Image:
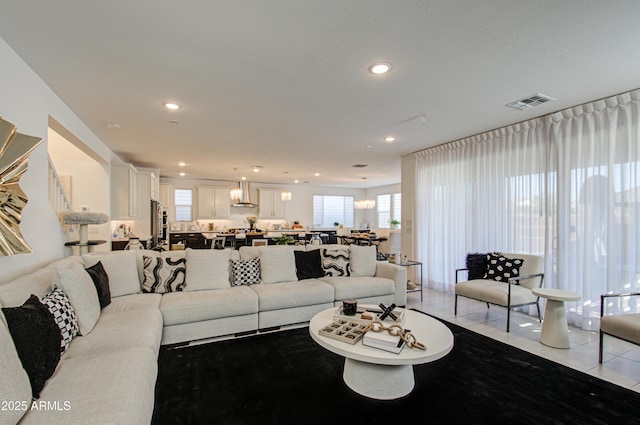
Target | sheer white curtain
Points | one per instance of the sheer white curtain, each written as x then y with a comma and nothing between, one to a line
539,187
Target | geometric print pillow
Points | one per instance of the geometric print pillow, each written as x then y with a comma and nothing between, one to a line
58,304
501,268
163,274
245,272
335,262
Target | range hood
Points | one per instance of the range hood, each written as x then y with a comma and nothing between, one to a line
244,201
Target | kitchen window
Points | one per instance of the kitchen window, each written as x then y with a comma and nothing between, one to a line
184,204
389,208
330,209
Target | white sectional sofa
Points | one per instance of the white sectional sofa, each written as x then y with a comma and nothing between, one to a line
108,376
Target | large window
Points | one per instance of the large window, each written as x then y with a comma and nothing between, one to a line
330,209
184,204
389,208
564,186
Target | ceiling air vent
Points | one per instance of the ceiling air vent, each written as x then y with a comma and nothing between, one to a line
359,165
530,102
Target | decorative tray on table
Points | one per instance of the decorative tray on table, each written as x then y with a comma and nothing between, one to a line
350,329
344,330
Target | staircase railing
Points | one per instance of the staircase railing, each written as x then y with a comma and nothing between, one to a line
57,195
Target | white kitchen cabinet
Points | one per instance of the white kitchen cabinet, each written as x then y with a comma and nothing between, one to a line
124,192
270,204
213,202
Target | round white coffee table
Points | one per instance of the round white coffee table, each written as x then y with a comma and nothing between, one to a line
380,374
555,332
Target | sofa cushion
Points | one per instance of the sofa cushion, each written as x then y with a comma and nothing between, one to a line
115,331
15,385
335,262
355,287
188,307
245,272
501,268
277,264
293,294
625,326
308,264
60,307
117,388
495,292
37,340
163,274
207,269
133,302
362,260
121,268
76,283
101,282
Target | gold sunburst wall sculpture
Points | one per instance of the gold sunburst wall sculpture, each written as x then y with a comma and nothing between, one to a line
15,149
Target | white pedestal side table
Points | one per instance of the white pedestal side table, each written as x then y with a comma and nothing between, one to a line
555,331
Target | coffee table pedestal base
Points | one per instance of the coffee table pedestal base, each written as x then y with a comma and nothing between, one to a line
380,382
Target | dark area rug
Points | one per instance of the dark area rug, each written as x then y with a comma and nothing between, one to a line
286,378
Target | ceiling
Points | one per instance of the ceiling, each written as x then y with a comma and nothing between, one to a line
284,84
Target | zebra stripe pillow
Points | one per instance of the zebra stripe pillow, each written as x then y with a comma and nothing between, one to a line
335,262
163,274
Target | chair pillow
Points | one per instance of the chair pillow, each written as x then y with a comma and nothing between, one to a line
501,268
163,274
60,307
335,262
308,264
101,281
245,272
476,263
362,260
208,269
37,340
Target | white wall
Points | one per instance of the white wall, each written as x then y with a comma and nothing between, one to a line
27,102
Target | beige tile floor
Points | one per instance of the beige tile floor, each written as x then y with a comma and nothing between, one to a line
621,363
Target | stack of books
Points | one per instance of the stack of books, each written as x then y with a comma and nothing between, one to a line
384,341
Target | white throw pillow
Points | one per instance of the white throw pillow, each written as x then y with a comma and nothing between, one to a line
277,264
15,382
122,271
207,269
77,284
362,260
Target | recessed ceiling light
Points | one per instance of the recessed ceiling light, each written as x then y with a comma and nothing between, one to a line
368,146
182,164
296,181
172,106
182,174
389,139
317,174
380,68
243,178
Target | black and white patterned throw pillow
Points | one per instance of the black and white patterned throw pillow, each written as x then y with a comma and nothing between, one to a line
335,262
58,304
245,272
163,274
501,268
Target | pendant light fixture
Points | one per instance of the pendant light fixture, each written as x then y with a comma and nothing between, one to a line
236,193
285,196
364,204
